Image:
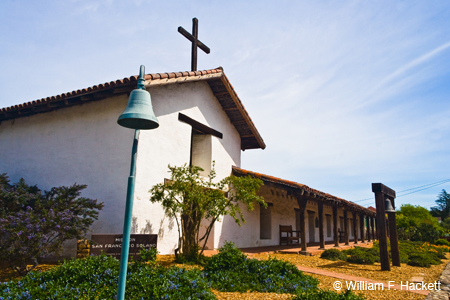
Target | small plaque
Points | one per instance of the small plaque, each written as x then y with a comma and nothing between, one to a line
111,244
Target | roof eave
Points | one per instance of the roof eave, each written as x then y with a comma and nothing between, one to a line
303,188
250,137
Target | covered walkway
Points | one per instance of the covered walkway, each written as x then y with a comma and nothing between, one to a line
294,249
320,220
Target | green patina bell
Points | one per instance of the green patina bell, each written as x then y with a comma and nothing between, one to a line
139,112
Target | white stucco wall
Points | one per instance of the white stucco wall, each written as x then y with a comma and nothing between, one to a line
81,144
84,144
170,144
282,213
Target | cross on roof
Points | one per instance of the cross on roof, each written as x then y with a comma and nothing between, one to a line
195,42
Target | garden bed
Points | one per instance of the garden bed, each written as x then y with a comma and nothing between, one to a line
404,272
397,274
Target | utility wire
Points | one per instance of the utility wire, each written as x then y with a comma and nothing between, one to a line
424,187
421,189
437,183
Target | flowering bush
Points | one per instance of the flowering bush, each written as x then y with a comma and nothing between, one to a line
35,224
148,255
231,271
96,277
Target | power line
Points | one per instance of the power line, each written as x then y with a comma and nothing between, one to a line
364,199
424,187
437,183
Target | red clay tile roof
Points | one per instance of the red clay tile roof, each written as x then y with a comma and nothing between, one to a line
216,79
372,209
301,187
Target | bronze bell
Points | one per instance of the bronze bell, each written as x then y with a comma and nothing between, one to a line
388,206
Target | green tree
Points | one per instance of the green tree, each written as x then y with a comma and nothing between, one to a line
415,223
190,198
443,206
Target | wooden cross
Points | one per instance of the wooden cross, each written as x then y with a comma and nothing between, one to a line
195,42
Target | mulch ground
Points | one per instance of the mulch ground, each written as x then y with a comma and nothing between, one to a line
403,273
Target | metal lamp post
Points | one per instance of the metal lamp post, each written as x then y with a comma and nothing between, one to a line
137,115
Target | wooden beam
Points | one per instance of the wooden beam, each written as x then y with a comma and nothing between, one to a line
381,188
321,237
394,239
230,108
355,228
382,234
373,229
335,227
302,207
346,238
361,224
221,93
199,126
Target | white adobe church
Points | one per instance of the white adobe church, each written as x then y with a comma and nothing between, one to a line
74,137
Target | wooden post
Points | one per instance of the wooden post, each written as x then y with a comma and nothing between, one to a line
346,239
321,237
381,191
335,227
395,252
373,229
387,228
302,206
361,227
355,228
368,228
377,230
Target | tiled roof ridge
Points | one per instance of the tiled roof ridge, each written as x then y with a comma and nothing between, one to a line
300,186
151,76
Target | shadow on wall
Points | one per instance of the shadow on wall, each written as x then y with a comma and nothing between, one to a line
232,232
148,227
212,120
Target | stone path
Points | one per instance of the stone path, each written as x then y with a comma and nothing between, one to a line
445,286
363,280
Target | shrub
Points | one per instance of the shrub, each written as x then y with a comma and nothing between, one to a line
333,254
34,225
148,255
96,278
442,242
359,255
422,259
231,271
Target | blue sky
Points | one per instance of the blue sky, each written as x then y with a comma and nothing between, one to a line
344,93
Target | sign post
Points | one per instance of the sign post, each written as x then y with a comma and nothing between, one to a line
111,244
